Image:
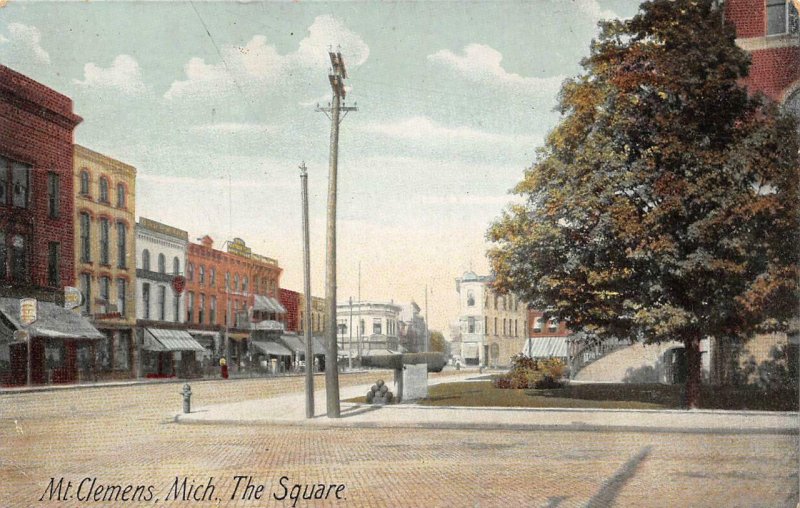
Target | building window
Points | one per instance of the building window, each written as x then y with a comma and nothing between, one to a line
84,183
162,303
104,233
103,189
53,264
122,245
86,248
362,326
105,290
121,195
244,285
495,326
201,272
201,308
162,263
227,280
3,256
176,266
177,304
190,308
552,325
190,271
53,192
516,330
236,282
19,258
14,183
122,347
376,326
146,300
781,17
146,260
86,290
121,296
470,325
212,317
470,299
212,278
505,332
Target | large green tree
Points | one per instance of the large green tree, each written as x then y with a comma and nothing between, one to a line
437,341
664,205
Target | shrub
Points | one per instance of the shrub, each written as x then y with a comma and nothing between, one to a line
529,373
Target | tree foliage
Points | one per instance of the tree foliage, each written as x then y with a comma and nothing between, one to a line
663,206
437,341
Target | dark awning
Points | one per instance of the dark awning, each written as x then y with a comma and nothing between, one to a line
271,348
294,343
53,321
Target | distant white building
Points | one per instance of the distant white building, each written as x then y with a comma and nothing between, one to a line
160,256
367,326
471,290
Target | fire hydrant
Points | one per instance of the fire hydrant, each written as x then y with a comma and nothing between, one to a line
187,398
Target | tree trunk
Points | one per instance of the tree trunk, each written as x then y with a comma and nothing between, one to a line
694,371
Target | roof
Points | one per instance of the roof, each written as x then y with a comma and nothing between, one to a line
271,348
157,339
53,321
546,347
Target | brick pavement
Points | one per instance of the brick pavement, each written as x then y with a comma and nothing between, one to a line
124,435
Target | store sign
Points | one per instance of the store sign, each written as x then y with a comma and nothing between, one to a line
238,247
178,284
72,297
27,311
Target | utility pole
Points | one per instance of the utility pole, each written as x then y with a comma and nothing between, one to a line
336,77
359,311
350,340
307,288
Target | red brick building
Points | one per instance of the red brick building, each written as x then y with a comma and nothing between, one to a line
769,31
36,198
231,290
539,327
291,302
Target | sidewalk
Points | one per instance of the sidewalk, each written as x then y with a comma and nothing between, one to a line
290,410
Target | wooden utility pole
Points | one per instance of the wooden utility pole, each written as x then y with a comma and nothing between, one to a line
336,77
307,288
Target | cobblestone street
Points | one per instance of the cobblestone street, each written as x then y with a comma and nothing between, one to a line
126,436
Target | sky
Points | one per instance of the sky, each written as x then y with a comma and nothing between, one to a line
215,103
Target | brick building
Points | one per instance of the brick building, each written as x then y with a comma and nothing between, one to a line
234,292
105,272
291,302
36,232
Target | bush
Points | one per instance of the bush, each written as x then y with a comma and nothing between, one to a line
527,373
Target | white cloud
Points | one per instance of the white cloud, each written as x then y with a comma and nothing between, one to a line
124,75
24,42
482,64
593,9
422,128
259,63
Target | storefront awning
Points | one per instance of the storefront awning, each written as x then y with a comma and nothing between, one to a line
267,304
318,346
238,336
546,347
271,348
53,321
160,340
294,343
267,324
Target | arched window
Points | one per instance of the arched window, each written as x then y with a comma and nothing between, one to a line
202,273
212,276
470,299
190,271
84,183
244,284
162,263
176,266
103,189
120,195
227,280
145,259
236,282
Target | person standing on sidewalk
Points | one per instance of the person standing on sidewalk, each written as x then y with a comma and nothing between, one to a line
223,367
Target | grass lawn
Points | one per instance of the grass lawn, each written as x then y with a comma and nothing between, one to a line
605,396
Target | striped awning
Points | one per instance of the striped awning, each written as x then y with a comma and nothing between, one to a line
294,343
160,340
271,348
264,303
546,347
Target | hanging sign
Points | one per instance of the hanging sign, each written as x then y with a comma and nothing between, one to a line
27,311
178,284
72,297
